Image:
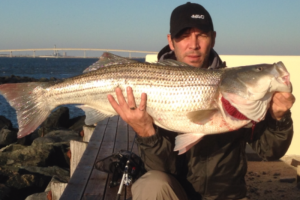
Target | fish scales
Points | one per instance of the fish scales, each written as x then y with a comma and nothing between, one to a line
181,88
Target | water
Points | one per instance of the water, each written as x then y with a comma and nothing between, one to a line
60,68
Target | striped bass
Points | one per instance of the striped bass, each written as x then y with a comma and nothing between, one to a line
180,98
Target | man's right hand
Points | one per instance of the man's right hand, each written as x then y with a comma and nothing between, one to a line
137,118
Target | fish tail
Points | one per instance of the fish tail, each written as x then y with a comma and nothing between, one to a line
28,99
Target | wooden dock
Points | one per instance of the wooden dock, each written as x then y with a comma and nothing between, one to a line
87,183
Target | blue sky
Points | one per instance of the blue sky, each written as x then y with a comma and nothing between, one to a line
268,27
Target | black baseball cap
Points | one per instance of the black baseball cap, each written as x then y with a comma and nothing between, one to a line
190,15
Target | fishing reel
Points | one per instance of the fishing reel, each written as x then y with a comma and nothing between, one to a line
123,165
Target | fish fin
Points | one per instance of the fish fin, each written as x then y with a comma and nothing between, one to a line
93,115
201,116
108,59
170,62
29,102
184,142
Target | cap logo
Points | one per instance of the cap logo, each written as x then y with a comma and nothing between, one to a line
197,16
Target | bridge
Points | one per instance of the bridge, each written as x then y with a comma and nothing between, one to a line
55,50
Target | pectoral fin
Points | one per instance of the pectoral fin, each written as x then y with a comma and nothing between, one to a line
93,116
186,141
201,116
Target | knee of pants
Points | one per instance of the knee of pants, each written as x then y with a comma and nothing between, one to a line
156,185
154,179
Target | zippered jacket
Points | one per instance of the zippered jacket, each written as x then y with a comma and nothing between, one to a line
216,166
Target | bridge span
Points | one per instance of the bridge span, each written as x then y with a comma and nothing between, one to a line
55,50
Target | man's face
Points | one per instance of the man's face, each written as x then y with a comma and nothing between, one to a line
193,46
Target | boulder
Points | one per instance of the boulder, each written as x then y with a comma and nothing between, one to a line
7,136
5,123
4,192
58,119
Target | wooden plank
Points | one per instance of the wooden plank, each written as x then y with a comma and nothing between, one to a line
121,143
77,183
98,182
88,132
57,189
77,149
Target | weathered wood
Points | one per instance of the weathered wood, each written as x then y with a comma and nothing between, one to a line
57,189
121,143
99,180
88,132
77,184
77,149
89,183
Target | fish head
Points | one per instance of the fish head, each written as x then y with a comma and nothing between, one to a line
257,81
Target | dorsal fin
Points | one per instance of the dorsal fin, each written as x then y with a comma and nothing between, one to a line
108,59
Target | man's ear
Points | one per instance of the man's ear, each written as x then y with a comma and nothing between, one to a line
213,37
170,42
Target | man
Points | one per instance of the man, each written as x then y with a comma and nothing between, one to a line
215,167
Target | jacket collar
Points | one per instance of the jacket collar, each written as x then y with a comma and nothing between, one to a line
214,59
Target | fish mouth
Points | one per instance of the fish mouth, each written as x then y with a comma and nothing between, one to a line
285,79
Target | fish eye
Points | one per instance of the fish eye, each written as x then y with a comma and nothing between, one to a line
259,68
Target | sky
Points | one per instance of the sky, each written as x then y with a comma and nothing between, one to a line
244,27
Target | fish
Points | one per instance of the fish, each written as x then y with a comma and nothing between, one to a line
191,101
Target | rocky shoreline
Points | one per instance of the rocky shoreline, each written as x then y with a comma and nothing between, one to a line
29,164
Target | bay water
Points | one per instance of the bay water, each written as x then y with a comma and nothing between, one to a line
60,68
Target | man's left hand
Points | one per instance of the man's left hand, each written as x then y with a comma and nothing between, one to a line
280,104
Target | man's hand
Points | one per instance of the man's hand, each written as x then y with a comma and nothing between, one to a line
281,102
137,118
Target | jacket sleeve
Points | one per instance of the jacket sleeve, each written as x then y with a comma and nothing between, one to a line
157,151
271,138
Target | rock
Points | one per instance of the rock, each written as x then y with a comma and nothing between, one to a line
59,173
64,136
287,179
22,184
12,147
7,136
5,123
77,123
60,176
4,192
27,140
39,155
58,119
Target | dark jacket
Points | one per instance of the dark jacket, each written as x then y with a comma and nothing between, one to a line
216,166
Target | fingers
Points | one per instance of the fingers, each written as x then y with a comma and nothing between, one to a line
130,98
281,102
284,100
114,104
142,106
121,98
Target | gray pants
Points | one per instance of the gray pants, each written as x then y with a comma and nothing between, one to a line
157,185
